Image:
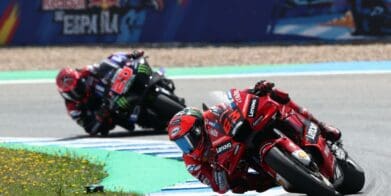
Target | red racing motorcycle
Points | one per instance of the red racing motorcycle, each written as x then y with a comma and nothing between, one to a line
273,138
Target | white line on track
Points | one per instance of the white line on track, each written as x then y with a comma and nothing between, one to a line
281,74
224,76
37,81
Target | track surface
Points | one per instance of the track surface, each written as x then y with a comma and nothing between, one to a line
358,104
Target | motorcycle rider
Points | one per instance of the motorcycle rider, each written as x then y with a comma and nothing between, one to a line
84,90
191,130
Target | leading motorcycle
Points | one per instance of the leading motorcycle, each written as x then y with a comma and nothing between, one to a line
270,137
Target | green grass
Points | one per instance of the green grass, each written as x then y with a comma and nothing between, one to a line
29,173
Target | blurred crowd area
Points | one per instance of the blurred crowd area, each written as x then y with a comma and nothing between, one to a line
80,32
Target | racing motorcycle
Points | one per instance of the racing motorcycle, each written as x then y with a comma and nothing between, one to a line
270,137
151,107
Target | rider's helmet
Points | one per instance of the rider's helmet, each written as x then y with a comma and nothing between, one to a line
186,129
70,84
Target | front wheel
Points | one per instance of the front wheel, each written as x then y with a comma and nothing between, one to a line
297,175
354,177
166,108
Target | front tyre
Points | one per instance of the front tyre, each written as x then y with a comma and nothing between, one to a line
166,108
354,177
298,176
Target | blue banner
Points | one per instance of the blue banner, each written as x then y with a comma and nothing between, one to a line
121,21
45,22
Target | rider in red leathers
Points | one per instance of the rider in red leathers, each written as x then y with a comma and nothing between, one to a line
84,90
194,132
191,130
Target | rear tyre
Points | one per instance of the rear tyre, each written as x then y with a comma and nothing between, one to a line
299,177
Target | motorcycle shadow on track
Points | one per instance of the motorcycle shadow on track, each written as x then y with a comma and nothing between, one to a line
120,134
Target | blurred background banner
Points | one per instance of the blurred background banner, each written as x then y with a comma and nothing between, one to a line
45,22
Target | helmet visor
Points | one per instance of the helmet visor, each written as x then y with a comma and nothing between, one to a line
184,144
189,141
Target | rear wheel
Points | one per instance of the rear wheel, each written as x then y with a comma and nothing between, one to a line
297,175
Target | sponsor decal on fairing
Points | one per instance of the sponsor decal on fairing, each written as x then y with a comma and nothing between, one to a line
312,132
302,157
258,120
224,148
252,109
236,150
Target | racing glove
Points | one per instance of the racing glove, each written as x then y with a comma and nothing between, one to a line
136,54
331,133
263,87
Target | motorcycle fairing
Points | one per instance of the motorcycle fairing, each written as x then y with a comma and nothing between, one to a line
122,80
257,110
311,140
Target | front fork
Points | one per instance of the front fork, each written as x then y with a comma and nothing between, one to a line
288,146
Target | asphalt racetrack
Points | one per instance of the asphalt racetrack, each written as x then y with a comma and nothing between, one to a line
359,104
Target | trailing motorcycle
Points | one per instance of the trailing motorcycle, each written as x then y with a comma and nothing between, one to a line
149,103
269,137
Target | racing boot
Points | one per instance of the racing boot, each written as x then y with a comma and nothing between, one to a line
260,182
331,133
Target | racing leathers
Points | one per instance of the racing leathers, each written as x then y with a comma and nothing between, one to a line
201,163
88,111
91,111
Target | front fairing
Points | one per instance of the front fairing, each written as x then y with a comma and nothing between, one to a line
257,111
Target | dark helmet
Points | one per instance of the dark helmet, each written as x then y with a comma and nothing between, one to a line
70,84
185,129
